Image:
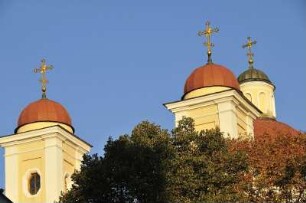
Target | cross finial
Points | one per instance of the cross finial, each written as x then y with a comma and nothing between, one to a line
207,33
42,70
250,54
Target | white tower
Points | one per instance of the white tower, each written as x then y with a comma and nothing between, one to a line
212,97
257,87
43,153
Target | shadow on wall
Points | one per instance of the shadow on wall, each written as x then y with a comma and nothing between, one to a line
3,198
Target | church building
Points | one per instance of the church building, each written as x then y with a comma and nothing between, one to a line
43,152
242,107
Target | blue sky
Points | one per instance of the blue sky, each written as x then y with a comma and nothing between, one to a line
116,62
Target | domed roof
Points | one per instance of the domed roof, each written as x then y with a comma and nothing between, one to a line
210,75
253,74
266,126
44,110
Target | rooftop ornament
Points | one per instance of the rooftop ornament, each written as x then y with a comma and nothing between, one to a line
43,79
207,33
250,54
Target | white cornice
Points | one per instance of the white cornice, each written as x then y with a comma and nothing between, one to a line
216,98
43,134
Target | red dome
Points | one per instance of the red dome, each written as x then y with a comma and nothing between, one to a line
266,126
210,75
44,110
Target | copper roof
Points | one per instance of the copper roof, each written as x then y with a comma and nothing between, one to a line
210,75
44,110
253,74
266,126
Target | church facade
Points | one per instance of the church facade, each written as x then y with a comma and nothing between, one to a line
43,152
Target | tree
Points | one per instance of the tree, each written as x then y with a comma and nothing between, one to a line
153,165
203,169
88,186
130,171
276,167
151,151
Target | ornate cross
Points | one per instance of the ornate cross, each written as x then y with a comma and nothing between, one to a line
250,54
42,70
207,33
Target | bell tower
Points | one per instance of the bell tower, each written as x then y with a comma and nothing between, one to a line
212,98
43,153
257,87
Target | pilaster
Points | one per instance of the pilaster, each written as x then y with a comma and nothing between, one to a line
53,168
11,173
228,119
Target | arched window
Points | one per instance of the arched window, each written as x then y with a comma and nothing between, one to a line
263,102
34,183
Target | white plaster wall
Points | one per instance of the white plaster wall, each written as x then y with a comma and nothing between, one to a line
257,88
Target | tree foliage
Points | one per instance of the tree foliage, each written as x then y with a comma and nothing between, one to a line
276,167
182,166
203,169
132,169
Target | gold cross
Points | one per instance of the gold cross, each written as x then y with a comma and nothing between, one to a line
207,33
250,54
42,70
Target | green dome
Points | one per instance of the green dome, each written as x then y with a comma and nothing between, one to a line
253,74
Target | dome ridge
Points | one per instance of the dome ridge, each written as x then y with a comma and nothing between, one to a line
44,110
253,74
210,75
